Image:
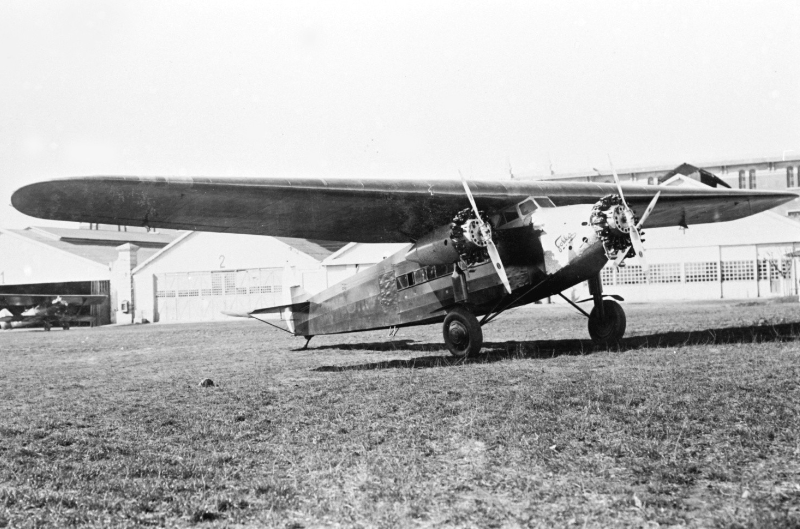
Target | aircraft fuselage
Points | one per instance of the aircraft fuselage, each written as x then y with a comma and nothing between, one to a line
542,259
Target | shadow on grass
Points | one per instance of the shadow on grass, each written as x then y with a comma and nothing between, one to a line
497,351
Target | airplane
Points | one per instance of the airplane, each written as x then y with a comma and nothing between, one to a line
47,310
476,248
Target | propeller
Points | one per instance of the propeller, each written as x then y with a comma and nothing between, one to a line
494,255
636,239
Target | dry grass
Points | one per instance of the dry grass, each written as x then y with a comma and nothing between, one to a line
694,421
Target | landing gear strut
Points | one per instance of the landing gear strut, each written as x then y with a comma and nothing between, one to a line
462,333
607,319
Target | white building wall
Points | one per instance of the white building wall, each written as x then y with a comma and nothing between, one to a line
204,252
23,261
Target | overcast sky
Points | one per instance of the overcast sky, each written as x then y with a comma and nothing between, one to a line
379,89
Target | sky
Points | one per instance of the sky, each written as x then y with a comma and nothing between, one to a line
389,89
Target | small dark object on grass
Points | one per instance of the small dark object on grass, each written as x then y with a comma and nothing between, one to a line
206,383
204,516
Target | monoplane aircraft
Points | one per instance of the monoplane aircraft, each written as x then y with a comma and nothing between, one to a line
47,310
476,248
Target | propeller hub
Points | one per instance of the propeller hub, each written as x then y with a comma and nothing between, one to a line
618,220
477,234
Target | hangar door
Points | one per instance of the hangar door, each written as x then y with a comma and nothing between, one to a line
203,296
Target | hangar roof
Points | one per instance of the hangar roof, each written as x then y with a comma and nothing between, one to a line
315,249
99,246
363,253
319,250
107,236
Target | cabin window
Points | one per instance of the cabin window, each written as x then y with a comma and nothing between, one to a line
430,271
790,177
544,202
742,183
443,270
752,178
527,207
402,282
420,276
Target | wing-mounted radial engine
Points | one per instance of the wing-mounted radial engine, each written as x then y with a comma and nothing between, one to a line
468,238
461,240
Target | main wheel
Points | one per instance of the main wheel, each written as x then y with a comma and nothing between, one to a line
65,326
47,326
610,329
462,333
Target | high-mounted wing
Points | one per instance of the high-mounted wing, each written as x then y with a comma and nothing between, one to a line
29,300
371,210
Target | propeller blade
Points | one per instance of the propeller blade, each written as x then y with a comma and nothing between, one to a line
471,199
494,255
638,247
648,210
616,179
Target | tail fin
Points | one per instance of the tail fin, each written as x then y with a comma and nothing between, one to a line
295,300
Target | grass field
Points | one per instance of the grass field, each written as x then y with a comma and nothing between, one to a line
693,421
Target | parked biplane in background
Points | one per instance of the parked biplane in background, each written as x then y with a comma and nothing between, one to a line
45,310
476,248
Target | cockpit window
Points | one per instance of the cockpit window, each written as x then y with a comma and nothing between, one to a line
544,202
510,215
527,207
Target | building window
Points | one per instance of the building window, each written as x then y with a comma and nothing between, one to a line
790,177
737,271
763,269
701,272
607,275
752,178
665,273
742,183
630,275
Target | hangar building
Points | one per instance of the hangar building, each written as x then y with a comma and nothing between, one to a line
70,261
201,275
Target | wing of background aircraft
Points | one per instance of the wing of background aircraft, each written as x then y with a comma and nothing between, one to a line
371,210
29,300
44,308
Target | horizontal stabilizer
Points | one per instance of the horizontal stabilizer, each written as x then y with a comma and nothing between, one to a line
235,314
27,300
278,309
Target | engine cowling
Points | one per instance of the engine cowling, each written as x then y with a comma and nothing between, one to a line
461,240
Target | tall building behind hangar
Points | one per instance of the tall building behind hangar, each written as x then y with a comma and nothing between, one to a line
70,261
777,172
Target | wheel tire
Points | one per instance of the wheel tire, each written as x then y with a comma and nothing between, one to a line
462,333
65,326
46,326
611,328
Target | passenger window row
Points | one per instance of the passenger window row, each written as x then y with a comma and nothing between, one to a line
421,275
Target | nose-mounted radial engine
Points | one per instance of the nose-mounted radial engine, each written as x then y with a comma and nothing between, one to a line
618,226
609,220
